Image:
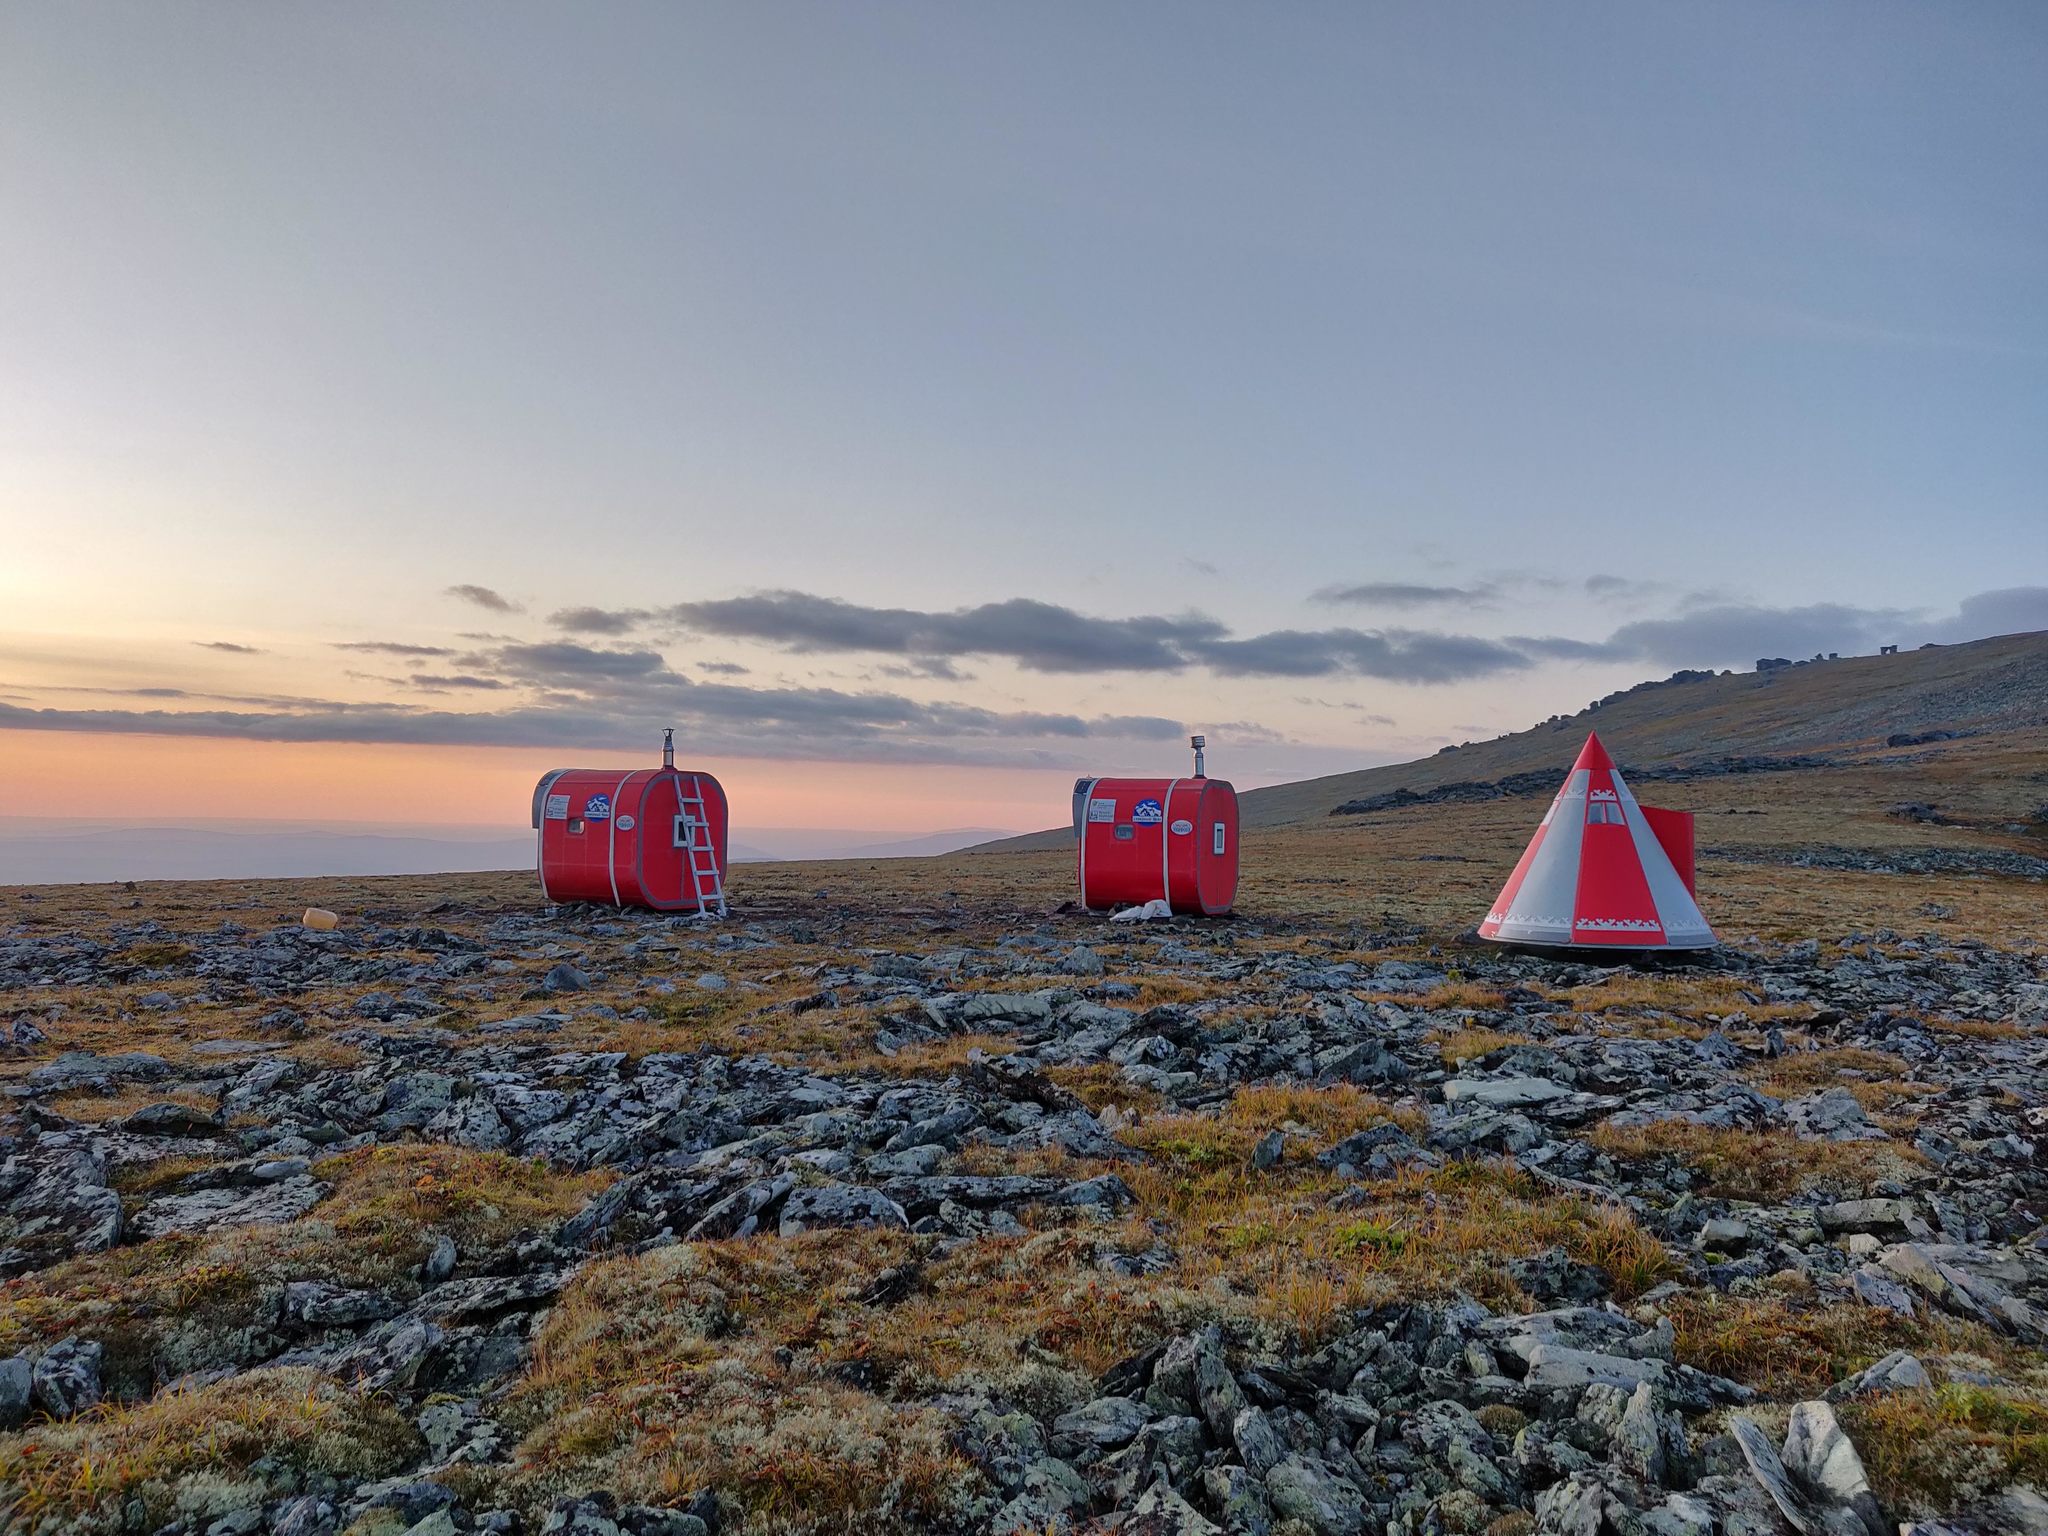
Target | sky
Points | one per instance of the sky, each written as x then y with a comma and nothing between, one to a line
917,405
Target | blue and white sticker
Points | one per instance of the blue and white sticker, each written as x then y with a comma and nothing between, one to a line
1182,827
1147,813
598,808
625,823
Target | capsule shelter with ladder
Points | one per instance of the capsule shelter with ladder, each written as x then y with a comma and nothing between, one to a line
644,837
1146,840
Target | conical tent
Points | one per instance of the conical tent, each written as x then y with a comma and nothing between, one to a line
1597,873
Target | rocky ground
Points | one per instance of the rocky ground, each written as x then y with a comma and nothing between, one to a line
949,1212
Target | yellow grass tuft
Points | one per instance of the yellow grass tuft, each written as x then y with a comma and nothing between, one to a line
1762,1166
82,1473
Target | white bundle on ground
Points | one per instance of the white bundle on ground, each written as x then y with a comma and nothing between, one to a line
1144,914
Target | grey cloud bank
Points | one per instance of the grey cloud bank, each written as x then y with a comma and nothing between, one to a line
1047,637
483,597
601,697
1724,634
1403,594
1042,636
391,648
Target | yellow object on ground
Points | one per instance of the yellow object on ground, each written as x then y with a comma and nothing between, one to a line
321,918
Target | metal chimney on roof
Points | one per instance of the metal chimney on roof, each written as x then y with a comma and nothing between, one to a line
1199,742
668,748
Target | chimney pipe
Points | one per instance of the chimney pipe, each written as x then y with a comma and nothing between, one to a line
1199,742
668,748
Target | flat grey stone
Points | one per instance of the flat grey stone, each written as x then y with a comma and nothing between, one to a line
265,1204
839,1205
1557,1365
1504,1092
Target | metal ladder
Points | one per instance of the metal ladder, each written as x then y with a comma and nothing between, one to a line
705,880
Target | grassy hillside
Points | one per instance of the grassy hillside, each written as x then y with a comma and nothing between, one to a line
1993,693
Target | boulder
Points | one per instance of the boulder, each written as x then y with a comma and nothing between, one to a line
1832,1115
1106,1422
65,1379
811,1208
17,1391
1306,1489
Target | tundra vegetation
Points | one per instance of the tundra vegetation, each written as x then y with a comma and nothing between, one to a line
910,1199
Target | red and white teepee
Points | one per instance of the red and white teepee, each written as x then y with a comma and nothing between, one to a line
1602,870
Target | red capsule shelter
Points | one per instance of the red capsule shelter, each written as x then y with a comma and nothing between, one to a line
645,837
1146,839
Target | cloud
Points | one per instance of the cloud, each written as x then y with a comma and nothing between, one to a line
1245,733
714,719
599,621
1564,648
1046,637
2006,611
229,646
445,681
1041,636
593,697
483,597
589,697
1137,727
391,648
257,700
1405,594
565,662
1600,584
1395,655
724,668
937,667
1349,706
1706,633
1737,634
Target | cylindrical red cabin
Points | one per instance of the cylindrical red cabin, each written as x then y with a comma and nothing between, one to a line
1144,839
646,837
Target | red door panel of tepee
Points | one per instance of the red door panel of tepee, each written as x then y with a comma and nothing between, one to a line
1613,903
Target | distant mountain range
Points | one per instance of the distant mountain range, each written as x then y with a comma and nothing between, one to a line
43,851
949,841
758,843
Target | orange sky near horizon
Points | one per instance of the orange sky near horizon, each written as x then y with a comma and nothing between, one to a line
126,777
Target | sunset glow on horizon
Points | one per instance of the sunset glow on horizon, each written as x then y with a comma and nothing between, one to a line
132,777
918,409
